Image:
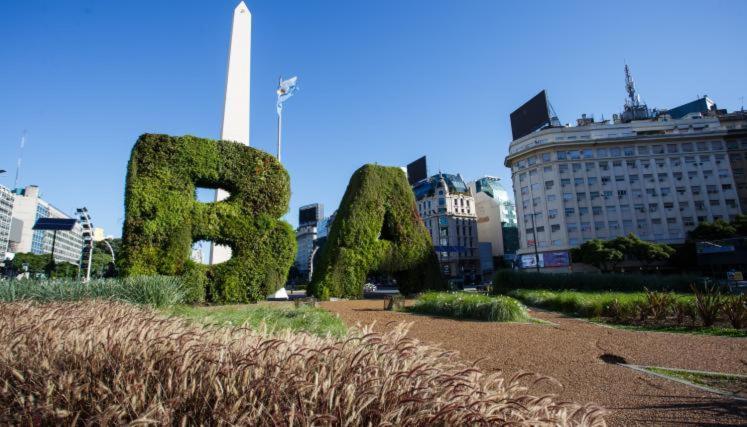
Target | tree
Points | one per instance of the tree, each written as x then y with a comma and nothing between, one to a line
599,254
715,230
740,225
641,250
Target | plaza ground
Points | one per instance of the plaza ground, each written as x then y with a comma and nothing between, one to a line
571,350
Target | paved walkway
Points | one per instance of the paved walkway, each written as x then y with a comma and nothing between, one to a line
569,350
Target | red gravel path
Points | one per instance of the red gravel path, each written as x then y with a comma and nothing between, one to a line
569,350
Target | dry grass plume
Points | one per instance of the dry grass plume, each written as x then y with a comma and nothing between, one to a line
107,363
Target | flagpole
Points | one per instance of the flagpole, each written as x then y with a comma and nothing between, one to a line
280,120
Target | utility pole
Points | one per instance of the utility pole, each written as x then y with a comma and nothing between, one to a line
536,253
280,119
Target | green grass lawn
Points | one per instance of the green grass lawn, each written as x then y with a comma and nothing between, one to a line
462,305
734,384
698,330
275,316
583,303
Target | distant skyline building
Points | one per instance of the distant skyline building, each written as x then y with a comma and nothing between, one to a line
448,210
494,210
309,217
28,207
644,173
6,218
736,146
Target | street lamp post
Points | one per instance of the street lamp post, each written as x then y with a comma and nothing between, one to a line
536,253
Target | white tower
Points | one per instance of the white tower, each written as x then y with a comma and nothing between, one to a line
235,125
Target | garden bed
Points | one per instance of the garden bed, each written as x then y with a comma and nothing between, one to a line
705,313
463,305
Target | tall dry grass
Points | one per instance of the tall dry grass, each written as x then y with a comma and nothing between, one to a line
106,363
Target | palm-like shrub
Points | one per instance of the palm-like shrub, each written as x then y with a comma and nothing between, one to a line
708,304
735,309
660,303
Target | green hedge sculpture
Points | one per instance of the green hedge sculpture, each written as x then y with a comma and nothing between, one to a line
163,218
377,229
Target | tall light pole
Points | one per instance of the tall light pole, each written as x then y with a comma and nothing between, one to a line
87,253
286,89
534,234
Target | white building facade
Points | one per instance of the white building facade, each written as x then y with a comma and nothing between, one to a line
28,207
448,211
6,217
655,178
494,210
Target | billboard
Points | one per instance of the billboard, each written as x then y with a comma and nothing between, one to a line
556,259
310,214
531,116
417,171
546,259
530,261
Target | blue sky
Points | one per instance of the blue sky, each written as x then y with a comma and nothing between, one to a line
381,81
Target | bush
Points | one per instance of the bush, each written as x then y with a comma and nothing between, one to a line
735,309
660,304
157,291
377,229
708,304
463,305
119,364
163,218
506,280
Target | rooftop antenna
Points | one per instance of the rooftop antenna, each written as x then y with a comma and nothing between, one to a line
20,156
633,97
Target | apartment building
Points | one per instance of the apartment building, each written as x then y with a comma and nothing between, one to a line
447,208
28,207
656,178
6,216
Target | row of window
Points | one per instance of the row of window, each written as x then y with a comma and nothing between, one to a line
627,151
632,179
703,160
621,193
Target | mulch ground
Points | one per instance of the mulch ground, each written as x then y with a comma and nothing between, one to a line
577,353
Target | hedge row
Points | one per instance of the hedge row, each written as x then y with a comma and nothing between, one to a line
507,280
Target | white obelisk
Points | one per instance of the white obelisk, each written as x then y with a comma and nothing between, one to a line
235,126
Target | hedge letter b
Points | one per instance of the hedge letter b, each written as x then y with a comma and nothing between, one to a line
163,217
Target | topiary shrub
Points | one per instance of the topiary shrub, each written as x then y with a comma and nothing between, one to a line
163,217
377,229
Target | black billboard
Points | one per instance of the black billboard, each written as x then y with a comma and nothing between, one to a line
417,171
530,116
310,214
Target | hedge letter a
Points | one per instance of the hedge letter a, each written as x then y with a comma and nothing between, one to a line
163,217
377,229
